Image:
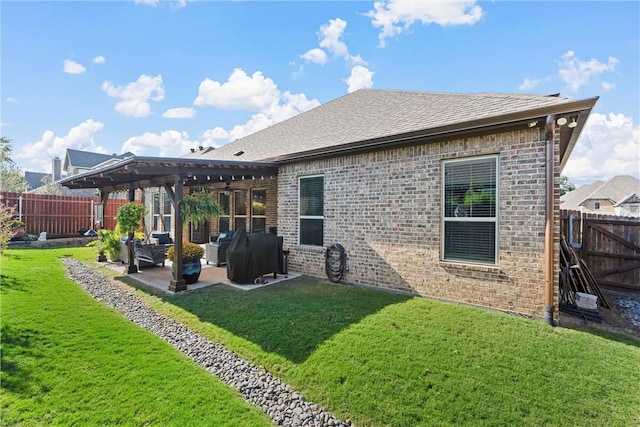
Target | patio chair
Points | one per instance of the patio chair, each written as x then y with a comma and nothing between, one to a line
148,254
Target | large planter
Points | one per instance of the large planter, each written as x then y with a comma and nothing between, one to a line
191,271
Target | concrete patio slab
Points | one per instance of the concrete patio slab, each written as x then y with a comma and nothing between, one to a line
158,277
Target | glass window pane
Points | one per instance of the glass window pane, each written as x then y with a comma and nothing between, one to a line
241,222
470,241
240,203
258,202
470,188
312,196
156,204
311,232
167,204
258,224
223,224
223,201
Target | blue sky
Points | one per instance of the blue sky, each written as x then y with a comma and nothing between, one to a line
157,78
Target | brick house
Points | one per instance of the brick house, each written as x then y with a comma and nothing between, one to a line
449,196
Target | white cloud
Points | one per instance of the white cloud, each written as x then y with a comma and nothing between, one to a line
289,106
258,94
330,37
397,16
360,78
38,155
135,97
99,60
73,67
607,86
256,123
529,84
577,73
147,2
608,146
211,137
315,55
12,100
170,143
179,113
239,92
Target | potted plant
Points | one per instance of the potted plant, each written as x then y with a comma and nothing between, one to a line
195,208
128,218
108,245
191,266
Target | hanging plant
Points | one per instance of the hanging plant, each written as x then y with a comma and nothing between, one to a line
199,207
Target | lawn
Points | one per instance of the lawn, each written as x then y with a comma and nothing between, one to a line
67,360
386,359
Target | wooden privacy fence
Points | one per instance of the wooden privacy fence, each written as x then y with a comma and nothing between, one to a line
61,216
608,244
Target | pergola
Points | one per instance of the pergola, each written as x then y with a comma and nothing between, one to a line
174,174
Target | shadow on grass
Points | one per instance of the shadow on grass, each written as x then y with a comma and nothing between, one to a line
610,335
16,347
11,283
291,318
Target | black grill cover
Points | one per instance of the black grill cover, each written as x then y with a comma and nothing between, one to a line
252,255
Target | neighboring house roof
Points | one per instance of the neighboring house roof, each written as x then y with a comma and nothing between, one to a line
573,199
616,189
87,159
370,116
34,179
631,198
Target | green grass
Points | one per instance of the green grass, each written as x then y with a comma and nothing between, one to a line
386,359
67,360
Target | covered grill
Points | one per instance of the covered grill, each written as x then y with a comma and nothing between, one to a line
252,255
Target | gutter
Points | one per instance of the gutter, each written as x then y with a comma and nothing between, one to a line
549,254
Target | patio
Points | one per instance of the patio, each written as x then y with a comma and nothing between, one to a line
158,277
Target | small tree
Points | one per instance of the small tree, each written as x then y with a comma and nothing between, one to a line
6,225
565,185
128,217
11,177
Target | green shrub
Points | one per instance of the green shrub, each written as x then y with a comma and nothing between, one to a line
190,252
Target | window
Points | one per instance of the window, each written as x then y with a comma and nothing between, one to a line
240,209
597,205
161,211
223,219
311,211
258,210
470,223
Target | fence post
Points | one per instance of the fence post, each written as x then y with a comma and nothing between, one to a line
20,208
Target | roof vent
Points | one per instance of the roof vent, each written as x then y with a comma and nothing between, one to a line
239,153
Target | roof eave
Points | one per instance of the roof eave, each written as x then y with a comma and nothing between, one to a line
583,107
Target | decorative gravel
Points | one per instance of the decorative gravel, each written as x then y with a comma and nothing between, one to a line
630,308
278,400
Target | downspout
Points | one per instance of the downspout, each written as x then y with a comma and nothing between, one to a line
549,234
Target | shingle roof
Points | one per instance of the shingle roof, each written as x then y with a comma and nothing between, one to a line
87,159
616,189
34,179
372,114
